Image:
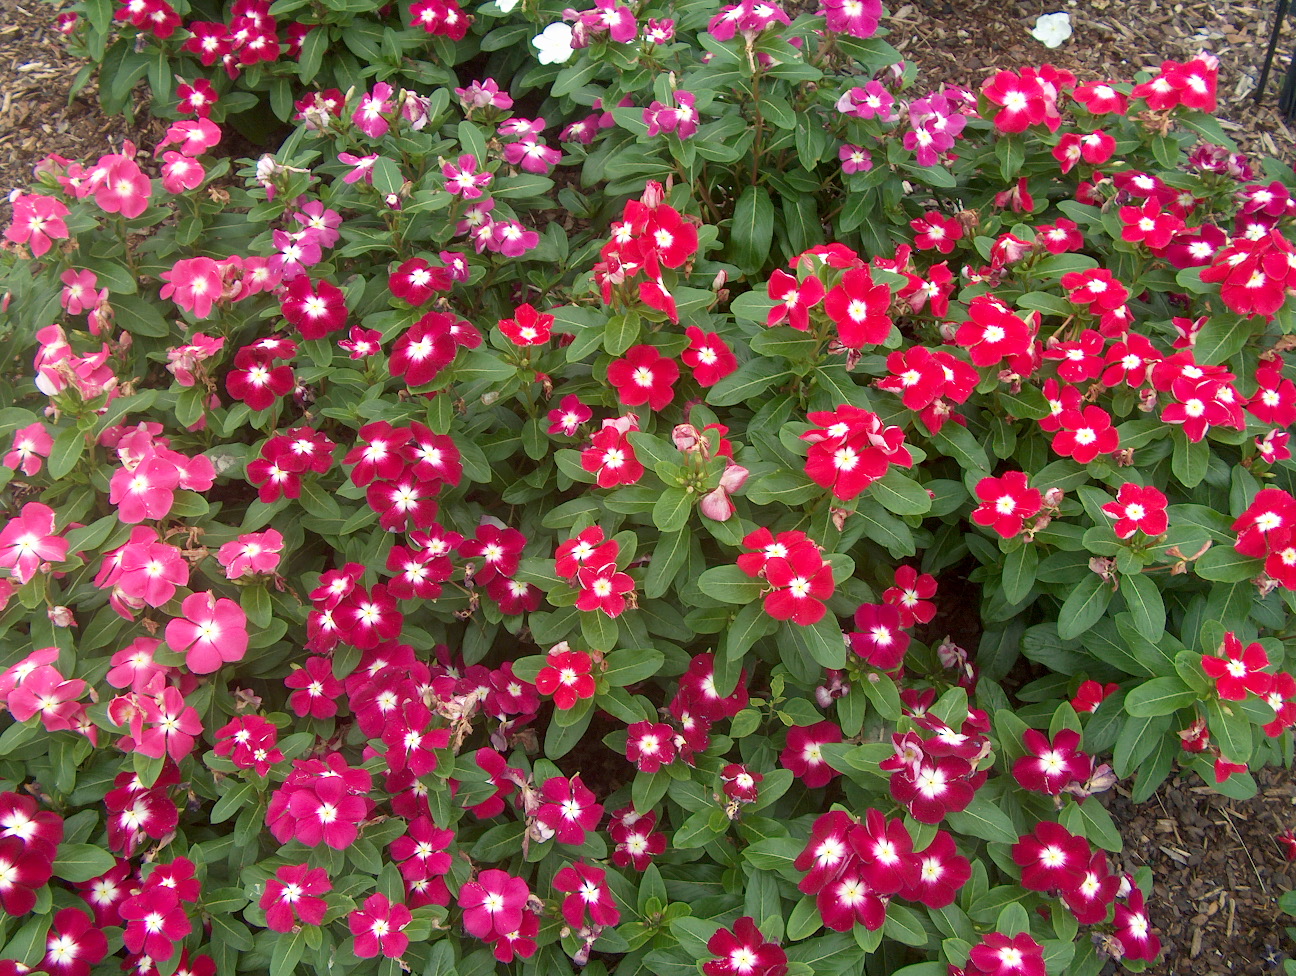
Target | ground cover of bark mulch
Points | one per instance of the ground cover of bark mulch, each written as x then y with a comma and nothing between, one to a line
1219,869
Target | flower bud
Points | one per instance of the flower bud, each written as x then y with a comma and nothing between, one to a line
688,439
61,616
716,505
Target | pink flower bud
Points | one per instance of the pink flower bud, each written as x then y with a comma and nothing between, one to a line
687,439
716,505
734,477
61,616
653,195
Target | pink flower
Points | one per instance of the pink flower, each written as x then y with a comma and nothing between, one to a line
155,922
368,114
211,633
124,188
293,894
567,417
588,896
181,172
568,809
251,553
379,926
744,951
175,725
47,693
1051,766
30,444
194,137
28,540
803,754
195,284
37,221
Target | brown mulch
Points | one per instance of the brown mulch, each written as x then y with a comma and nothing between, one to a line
1217,865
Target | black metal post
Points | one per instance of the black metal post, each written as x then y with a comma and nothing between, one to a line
1279,15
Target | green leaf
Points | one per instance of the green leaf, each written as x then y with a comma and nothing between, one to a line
1224,564
1230,729
81,862
599,630
752,230
784,341
621,332
729,584
904,925
900,494
1019,573
985,820
1145,605
231,802
1223,337
672,509
751,624
957,442
670,554
387,176
67,450
1189,460
823,641
625,667
748,382
1160,696
1084,606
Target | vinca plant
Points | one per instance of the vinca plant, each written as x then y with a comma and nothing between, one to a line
647,489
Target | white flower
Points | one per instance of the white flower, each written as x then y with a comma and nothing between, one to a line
554,44
1052,29
506,6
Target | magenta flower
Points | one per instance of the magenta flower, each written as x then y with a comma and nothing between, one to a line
1051,766
940,873
465,179
493,904
73,944
155,922
369,114
379,927
568,809
294,894
803,754
174,726
744,951
28,540
587,896
532,155
251,553
361,167
211,633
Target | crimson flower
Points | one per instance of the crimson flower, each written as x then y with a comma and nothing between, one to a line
878,637
636,842
793,299
587,896
569,809
1091,694
155,922
1051,857
135,812
803,755
493,904
256,380
24,868
74,944
744,951
1000,955
428,347
941,872
315,308
611,457
1052,766
294,895
1134,930
316,689
885,852
603,588
1006,503
566,676
650,745
827,852
1090,900
415,281
644,375
1240,671
849,900
740,783
38,829
379,927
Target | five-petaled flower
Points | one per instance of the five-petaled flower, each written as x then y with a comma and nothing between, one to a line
566,676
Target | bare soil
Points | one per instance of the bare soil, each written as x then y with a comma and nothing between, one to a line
1218,866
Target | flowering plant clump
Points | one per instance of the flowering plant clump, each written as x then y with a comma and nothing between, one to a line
506,527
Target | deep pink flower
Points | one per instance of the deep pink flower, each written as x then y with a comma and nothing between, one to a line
493,904
650,745
211,633
37,221
30,444
999,955
804,757
379,927
251,553
173,725
28,540
744,951
293,895
24,868
568,809
588,896
1051,857
1052,765
155,922
566,676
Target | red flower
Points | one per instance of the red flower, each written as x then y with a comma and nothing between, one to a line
1240,671
804,757
877,637
587,896
793,299
589,548
644,375
1052,766
415,281
566,676
934,230
24,868
910,596
851,449
1080,360
999,955
379,927
1024,100
1138,508
1085,435
1006,503
1051,857
744,952
709,356
858,307
650,745
993,333
569,415
801,583
293,895
603,588
636,844
1096,289
1147,224
568,809
528,327
1091,694
1091,899
611,457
